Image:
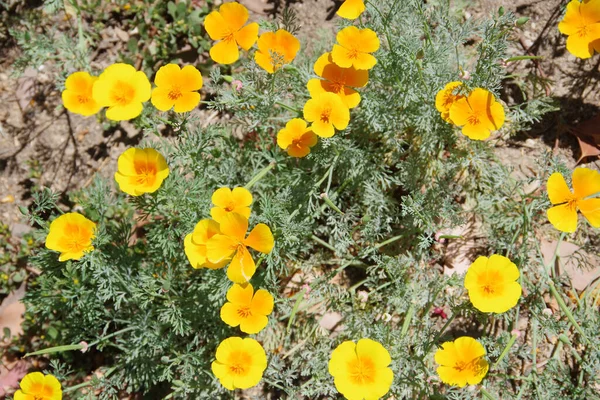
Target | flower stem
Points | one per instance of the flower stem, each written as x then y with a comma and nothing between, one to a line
260,175
565,309
407,320
510,343
330,203
486,394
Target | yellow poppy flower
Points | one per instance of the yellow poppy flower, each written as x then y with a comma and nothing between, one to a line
563,216
353,48
141,171
123,90
247,309
478,114
581,24
445,98
337,80
361,371
71,234
351,9
461,362
239,363
37,386
296,138
177,87
233,242
491,283
77,96
276,49
228,201
194,244
227,26
327,112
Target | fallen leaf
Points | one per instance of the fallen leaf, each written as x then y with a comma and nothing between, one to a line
11,312
11,376
571,262
588,137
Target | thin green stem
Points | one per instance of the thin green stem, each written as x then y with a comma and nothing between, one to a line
507,348
486,394
260,175
406,324
331,203
323,243
566,311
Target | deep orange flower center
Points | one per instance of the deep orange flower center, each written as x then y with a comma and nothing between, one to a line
146,173
174,93
353,53
337,86
572,204
239,363
82,99
244,312
230,207
490,283
362,371
582,30
230,37
122,93
75,239
325,115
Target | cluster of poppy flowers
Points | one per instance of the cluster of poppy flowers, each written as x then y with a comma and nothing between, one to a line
477,113
123,90
360,370
214,243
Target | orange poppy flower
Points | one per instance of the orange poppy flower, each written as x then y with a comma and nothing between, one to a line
337,80
581,24
37,386
141,171
195,244
354,48
478,114
71,234
228,201
276,49
233,242
327,112
177,87
563,216
445,98
123,90
351,9
77,96
227,26
239,363
296,138
247,308
461,362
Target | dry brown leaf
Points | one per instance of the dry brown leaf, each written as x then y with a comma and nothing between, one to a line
11,375
11,312
588,136
570,263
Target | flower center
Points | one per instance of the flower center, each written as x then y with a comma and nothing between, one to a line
582,31
239,363
82,99
229,38
474,119
244,312
122,93
146,174
174,93
325,115
353,54
362,371
572,204
337,87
